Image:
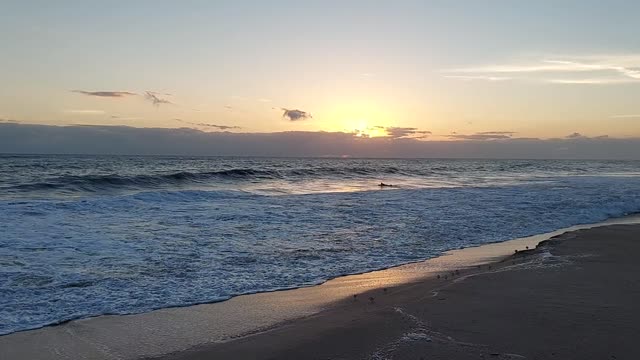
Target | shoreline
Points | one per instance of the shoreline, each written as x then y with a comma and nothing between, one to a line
179,329
572,297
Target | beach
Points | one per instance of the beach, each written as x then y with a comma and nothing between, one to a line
319,180
571,297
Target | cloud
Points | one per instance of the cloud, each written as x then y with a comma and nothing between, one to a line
152,96
601,69
27,138
575,135
105,93
633,73
603,81
264,100
479,137
295,114
479,77
85,112
155,99
405,132
395,132
219,127
626,116
483,136
124,117
9,121
578,136
496,133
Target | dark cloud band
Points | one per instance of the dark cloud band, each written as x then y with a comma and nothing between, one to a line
116,94
23,138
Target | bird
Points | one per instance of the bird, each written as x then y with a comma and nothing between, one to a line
385,290
371,299
355,296
438,276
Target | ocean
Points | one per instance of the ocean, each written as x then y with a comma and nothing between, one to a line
83,236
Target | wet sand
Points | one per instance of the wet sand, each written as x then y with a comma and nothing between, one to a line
417,316
575,296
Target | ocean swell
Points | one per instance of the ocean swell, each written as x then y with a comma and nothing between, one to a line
105,183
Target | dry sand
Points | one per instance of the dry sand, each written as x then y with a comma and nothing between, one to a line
576,296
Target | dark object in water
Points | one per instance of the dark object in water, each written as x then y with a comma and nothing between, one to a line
385,185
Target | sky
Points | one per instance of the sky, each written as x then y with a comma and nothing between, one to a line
426,71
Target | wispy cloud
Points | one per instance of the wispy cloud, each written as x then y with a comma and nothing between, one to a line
396,132
496,133
85,112
633,73
626,116
295,114
478,77
207,125
155,99
124,117
483,136
579,136
112,94
601,69
603,81
152,96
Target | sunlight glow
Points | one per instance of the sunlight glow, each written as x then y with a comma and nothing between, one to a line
365,118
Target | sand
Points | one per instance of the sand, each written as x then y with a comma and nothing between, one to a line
573,297
523,309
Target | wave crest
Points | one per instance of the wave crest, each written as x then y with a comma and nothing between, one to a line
98,183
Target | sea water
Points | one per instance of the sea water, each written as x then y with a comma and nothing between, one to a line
83,236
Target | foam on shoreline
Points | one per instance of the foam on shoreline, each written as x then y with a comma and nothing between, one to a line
174,329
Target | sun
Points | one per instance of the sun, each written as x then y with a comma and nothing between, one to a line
363,129
365,118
